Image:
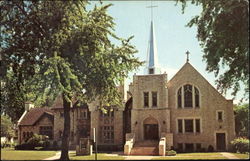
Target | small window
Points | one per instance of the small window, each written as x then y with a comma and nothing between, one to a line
180,126
189,126
197,125
145,99
154,99
220,117
151,71
24,134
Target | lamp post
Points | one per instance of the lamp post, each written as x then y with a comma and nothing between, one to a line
95,140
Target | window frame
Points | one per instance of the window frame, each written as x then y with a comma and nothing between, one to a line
146,101
182,119
195,97
154,95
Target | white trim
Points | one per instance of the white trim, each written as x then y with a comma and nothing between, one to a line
18,122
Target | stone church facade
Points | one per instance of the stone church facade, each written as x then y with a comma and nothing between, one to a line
185,113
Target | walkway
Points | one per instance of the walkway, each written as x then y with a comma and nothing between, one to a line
137,157
55,157
229,156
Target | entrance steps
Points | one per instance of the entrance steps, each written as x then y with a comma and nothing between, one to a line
148,147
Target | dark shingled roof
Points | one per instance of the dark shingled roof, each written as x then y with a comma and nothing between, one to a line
34,115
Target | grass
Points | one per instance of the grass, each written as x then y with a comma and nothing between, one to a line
241,156
100,156
11,154
189,156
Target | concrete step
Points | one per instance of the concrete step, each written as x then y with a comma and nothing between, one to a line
146,147
147,143
145,151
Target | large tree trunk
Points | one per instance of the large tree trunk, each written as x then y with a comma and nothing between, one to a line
66,130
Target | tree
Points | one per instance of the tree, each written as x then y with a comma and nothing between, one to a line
6,127
223,35
65,49
242,120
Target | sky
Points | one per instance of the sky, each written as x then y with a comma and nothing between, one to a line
173,38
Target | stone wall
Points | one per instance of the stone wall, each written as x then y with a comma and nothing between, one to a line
149,83
210,101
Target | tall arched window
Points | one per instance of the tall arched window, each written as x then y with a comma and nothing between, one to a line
197,99
179,98
188,96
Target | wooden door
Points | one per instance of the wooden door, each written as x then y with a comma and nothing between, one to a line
220,141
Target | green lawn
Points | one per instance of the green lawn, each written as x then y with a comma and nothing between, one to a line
100,156
184,156
11,154
241,156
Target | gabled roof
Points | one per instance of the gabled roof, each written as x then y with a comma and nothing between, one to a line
34,114
186,66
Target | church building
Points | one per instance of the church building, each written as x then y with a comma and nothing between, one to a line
185,113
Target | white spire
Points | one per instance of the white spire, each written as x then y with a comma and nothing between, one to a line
152,67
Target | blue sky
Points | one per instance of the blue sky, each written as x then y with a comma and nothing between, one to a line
172,37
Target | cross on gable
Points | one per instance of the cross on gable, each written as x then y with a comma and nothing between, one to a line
187,55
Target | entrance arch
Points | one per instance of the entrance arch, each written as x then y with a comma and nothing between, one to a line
151,130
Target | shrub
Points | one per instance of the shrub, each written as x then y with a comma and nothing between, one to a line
24,146
171,153
36,140
240,145
210,148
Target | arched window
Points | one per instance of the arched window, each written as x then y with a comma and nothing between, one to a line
197,99
179,98
188,96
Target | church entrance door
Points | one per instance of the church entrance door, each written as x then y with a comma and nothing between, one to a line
151,132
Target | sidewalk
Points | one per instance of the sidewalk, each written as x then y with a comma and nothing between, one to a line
55,157
229,156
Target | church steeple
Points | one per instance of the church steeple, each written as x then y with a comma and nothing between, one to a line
152,66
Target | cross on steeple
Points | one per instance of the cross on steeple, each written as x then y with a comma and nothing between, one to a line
187,55
151,6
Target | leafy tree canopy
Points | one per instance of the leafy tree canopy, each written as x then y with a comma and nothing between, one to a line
242,120
223,35
61,48
6,127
